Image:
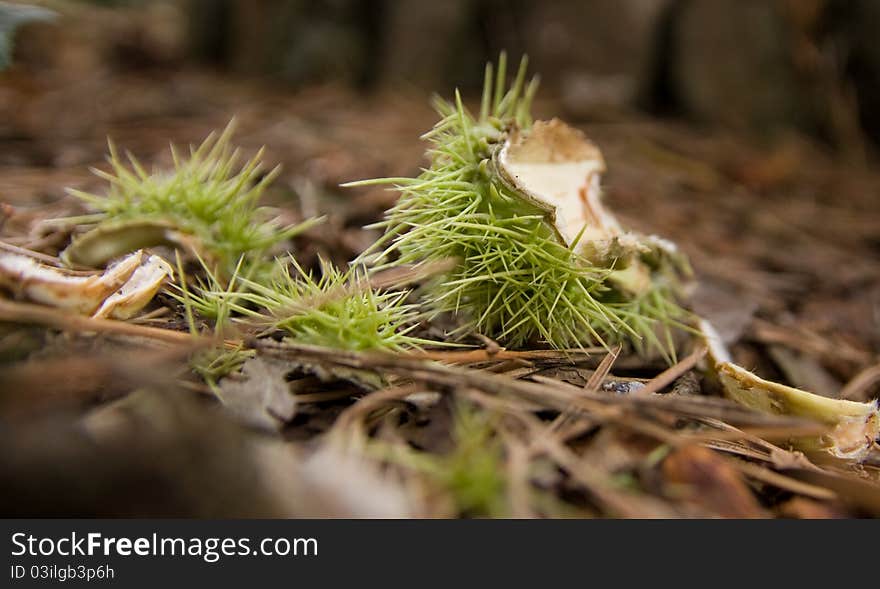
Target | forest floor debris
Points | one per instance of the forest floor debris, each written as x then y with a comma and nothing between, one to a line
485,431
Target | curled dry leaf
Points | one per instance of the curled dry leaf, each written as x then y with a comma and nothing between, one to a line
119,292
853,426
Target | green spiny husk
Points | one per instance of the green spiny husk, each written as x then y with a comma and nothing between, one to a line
207,203
336,310
515,279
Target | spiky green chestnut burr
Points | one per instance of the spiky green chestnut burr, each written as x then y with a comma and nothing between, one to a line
208,203
518,206
336,310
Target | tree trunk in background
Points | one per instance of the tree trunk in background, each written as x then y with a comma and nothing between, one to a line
855,28
297,41
208,26
732,64
597,53
751,64
428,44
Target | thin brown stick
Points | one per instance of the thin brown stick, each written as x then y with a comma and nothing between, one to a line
371,402
668,376
474,356
765,475
595,380
764,433
592,385
595,481
16,312
14,249
761,442
547,392
857,388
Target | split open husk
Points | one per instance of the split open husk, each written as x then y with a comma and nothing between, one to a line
119,292
555,168
853,426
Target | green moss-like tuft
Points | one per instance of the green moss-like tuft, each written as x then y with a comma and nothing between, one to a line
217,361
474,472
337,310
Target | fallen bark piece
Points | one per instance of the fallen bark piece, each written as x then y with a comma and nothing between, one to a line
119,292
854,426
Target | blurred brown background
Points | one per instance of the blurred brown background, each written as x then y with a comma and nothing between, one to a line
744,130
757,64
762,64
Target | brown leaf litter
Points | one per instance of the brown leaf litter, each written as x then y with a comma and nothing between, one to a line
784,242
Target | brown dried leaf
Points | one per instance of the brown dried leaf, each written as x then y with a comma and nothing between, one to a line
711,482
803,508
260,396
330,483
